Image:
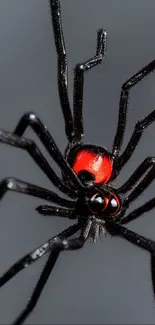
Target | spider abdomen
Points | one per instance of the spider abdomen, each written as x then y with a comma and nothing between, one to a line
97,164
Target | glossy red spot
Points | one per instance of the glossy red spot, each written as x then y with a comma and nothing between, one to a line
102,202
114,204
97,164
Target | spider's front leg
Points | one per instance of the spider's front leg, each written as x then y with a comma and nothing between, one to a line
79,71
74,128
62,67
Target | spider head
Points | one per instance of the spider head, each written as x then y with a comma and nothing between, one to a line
100,202
95,206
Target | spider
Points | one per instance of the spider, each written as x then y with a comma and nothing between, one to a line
87,170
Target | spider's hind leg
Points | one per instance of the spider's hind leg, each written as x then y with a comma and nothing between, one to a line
140,241
60,244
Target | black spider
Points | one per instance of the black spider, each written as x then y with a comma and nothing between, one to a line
86,170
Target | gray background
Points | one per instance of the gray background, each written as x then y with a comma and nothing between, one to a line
106,283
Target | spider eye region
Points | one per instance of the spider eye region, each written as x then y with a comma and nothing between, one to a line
97,165
97,203
109,204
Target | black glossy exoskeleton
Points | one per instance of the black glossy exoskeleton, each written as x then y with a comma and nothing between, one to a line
87,171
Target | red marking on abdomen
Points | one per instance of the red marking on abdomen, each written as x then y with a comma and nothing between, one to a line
97,164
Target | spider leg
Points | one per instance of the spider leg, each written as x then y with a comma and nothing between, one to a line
62,67
123,106
31,119
144,169
153,272
131,236
139,189
48,210
140,241
38,288
35,153
33,256
19,186
60,245
41,283
137,212
133,142
137,174
79,71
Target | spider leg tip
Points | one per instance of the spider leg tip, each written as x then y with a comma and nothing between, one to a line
40,210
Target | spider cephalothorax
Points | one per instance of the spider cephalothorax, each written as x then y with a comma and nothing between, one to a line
87,171
97,205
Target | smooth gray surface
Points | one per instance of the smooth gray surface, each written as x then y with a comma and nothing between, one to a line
106,283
